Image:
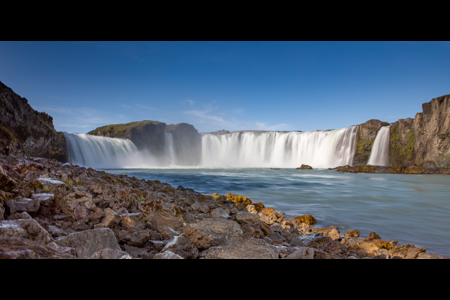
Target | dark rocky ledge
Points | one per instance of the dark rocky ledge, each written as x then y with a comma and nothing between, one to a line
53,210
413,169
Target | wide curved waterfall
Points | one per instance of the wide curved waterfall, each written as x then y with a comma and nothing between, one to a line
319,149
379,156
103,152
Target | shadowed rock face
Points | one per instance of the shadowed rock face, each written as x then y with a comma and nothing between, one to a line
425,140
27,131
151,136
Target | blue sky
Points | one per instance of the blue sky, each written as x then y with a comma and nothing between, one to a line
233,85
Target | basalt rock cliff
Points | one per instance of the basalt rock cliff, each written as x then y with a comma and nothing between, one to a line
26,131
425,140
153,136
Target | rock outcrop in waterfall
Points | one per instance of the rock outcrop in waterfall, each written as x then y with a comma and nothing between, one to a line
27,131
159,139
367,133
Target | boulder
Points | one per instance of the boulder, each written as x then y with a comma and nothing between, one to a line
111,218
352,233
304,167
244,249
108,253
302,253
164,217
87,242
134,237
308,219
167,255
76,204
269,216
332,232
219,212
181,246
213,232
25,228
16,247
132,220
23,205
244,217
6,182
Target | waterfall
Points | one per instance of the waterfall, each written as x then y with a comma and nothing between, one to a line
319,149
101,152
169,149
379,155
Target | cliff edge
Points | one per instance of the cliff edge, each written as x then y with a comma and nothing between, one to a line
27,131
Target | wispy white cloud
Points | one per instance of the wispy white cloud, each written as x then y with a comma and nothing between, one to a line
264,126
191,102
209,114
148,107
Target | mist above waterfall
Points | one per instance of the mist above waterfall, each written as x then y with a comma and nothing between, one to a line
319,149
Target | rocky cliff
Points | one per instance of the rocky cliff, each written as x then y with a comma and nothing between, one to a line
425,140
367,133
27,131
152,136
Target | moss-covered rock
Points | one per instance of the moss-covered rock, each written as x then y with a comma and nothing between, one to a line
367,133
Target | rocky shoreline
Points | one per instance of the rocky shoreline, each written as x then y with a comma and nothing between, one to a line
51,210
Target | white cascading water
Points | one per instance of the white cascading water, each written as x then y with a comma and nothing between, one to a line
379,156
101,152
319,149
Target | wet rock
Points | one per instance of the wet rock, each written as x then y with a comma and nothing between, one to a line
244,249
270,216
332,232
308,219
304,167
373,235
370,246
352,233
87,242
212,232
